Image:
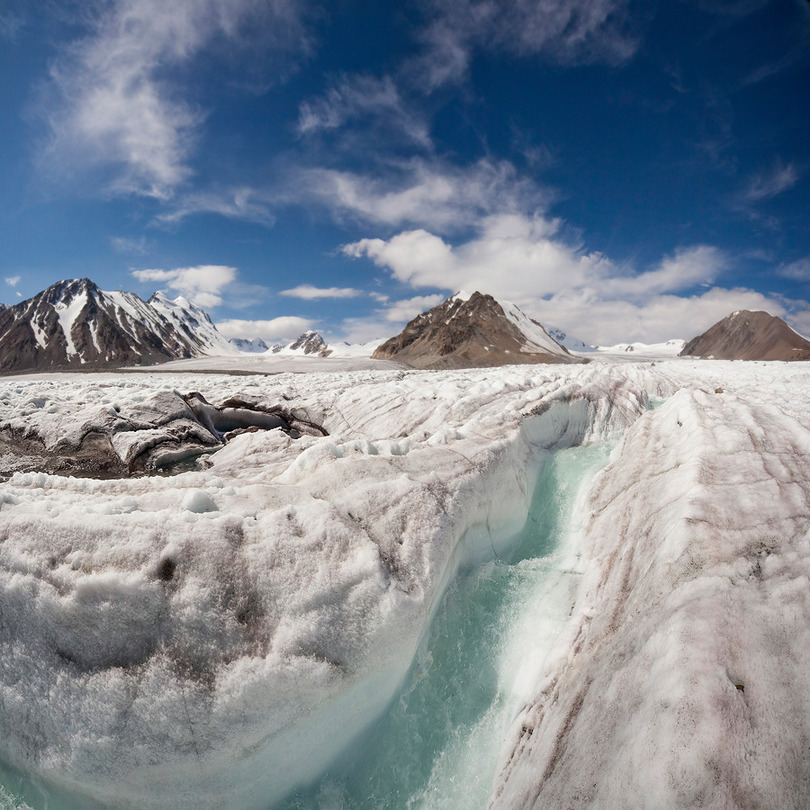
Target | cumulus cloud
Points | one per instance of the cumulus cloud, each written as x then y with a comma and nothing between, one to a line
658,317
120,112
13,281
513,253
203,284
275,330
525,260
308,292
422,193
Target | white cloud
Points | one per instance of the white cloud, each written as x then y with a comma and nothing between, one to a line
275,330
421,193
203,284
13,281
687,268
308,292
524,260
769,184
512,253
655,318
119,110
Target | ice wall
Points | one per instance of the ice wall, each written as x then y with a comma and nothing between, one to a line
680,680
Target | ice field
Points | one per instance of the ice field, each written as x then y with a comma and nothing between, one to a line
533,586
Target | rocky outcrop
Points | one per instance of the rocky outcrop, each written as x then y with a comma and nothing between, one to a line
746,335
168,430
310,344
473,330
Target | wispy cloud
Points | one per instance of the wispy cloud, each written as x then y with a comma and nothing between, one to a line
244,203
798,270
369,100
124,244
12,281
203,285
10,25
309,293
563,31
421,192
771,183
121,111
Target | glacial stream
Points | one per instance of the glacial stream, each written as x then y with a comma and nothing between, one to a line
438,746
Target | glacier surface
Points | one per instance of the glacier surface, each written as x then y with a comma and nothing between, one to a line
260,630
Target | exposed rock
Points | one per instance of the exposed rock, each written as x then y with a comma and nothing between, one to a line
746,335
155,436
473,330
310,343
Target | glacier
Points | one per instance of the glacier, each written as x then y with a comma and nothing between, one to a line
274,626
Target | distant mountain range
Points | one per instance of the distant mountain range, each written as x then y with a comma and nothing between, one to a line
75,324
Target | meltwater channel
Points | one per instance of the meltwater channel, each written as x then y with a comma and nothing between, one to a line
438,746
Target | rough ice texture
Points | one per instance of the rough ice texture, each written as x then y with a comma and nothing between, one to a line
680,681
217,637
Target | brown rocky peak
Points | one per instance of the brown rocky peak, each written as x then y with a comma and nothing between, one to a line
747,335
472,330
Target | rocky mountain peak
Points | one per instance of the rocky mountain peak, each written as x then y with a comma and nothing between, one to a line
473,329
749,335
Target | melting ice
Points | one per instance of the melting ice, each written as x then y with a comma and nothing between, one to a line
444,602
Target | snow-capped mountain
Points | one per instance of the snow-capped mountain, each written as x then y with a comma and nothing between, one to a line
254,346
193,322
470,330
746,335
310,343
74,323
570,342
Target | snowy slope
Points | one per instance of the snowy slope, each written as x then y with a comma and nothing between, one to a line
249,346
219,636
193,323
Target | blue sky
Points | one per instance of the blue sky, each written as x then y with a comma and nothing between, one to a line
625,170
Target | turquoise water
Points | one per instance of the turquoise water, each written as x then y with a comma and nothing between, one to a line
438,746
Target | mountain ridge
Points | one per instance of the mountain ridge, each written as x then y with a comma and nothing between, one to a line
74,323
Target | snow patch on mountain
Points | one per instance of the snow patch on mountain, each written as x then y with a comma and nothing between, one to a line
249,346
